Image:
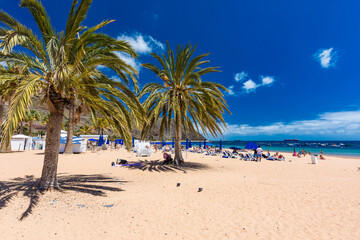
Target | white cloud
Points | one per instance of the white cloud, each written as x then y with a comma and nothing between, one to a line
267,80
129,60
231,90
250,85
142,44
240,76
326,57
335,124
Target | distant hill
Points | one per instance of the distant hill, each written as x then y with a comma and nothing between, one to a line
85,119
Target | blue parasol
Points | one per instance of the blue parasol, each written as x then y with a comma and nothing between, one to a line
133,142
101,140
205,144
251,145
220,144
173,143
108,141
187,144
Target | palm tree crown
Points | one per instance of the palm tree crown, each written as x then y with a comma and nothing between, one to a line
194,104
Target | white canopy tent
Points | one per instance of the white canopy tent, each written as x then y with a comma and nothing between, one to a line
20,142
142,148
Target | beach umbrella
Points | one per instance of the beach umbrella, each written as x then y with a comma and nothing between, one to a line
101,140
199,144
108,141
133,142
190,145
173,143
220,144
251,145
163,143
205,144
187,144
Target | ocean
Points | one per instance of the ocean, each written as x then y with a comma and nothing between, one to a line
337,148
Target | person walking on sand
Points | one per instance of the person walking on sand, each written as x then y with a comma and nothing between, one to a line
259,153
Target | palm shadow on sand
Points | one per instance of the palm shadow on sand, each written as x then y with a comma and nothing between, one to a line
157,166
96,185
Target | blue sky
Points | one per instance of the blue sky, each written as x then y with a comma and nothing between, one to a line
292,66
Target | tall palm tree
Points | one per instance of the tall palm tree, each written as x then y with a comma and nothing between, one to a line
30,116
192,103
63,66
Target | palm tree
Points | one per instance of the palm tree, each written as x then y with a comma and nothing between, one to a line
192,103
45,119
63,66
74,118
30,116
9,79
101,124
86,129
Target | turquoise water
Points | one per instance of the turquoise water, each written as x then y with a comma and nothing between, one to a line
342,148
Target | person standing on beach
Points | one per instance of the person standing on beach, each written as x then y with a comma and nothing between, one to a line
259,153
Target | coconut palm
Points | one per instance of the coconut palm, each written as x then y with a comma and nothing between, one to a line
183,97
30,116
63,66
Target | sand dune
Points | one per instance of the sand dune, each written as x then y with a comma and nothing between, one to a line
240,200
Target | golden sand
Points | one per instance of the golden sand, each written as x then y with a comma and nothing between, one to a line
240,200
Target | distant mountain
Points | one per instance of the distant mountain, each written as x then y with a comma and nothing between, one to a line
85,119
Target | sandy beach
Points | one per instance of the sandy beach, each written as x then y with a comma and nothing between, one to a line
240,200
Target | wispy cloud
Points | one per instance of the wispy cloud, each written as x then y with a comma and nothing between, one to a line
142,44
250,85
241,76
231,90
129,60
326,57
333,124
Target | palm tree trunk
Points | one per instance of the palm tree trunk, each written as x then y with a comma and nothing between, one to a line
48,178
21,127
2,108
70,130
178,159
7,148
30,128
